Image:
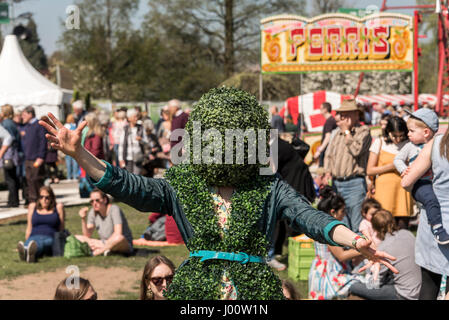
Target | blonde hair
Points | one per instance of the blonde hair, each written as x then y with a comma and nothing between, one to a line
94,125
417,122
7,111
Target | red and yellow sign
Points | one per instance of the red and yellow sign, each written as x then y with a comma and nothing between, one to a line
337,42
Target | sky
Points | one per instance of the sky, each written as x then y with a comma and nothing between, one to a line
49,13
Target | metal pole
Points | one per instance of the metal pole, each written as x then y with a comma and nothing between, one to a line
260,87
58,75
301,107
442,60
416,63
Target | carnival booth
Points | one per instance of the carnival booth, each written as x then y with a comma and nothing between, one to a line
396,100
309,106
21,85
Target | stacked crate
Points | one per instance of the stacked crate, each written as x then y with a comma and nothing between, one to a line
301,253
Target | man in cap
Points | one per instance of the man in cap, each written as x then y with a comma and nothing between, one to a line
346,159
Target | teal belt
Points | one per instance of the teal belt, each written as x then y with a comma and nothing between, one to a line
231,256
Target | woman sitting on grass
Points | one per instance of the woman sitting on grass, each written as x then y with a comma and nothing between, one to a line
157,276
45,217
401,243
329,276
111,225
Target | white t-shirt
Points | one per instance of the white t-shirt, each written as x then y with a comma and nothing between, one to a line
387,147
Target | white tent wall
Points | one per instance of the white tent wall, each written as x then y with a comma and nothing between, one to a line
21,85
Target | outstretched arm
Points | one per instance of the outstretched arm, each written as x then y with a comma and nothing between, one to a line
69,142
321,227
144,194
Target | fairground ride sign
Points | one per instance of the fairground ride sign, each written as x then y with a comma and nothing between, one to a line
337,42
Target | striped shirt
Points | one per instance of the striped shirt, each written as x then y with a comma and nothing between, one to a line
347,156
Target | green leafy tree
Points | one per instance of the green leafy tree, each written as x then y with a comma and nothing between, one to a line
230,29
97,52
32,49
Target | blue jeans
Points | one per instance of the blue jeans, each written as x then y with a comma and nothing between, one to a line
385,292
72,168
353,192
44,244
423,192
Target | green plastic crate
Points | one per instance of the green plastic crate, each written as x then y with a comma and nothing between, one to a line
301,253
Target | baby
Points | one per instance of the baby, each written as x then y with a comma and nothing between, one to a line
369,207
422,126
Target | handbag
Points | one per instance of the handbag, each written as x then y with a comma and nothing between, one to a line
59,241
8,164
75,248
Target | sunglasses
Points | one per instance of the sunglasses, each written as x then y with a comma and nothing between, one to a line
95,200
157,281
44,197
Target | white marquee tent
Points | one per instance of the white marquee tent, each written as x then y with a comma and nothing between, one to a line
21,85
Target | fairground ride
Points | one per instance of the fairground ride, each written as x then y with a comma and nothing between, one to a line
441,9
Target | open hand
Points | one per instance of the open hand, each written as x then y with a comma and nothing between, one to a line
61,138
374,256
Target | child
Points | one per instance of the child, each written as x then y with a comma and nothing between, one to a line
422,126
290,291
369,207
329,276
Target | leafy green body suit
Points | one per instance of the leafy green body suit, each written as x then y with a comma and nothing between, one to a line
257,203
201,280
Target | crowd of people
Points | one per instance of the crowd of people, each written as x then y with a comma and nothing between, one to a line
128,138
377,190
377,187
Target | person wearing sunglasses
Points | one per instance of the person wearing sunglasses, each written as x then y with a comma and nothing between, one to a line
45,218
157,276
75,289
111,224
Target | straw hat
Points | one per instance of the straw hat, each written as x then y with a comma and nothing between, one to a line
348,105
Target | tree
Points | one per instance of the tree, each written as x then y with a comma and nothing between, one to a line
428,61
229,28
97,53
327,6
32,49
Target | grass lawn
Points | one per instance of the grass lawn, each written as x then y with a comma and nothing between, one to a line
11,266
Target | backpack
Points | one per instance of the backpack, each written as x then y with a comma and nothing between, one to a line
75,248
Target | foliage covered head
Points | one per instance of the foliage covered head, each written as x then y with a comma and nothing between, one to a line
218,115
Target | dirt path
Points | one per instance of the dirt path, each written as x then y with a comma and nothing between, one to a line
42,286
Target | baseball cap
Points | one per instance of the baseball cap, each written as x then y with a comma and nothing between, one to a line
427,116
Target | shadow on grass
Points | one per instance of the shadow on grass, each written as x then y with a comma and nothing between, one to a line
141,252
13,223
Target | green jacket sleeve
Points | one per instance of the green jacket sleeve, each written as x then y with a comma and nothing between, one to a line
142,193
301,216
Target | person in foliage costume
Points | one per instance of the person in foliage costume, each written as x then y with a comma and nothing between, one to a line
226,213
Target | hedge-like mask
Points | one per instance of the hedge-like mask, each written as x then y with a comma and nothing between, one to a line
227,139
